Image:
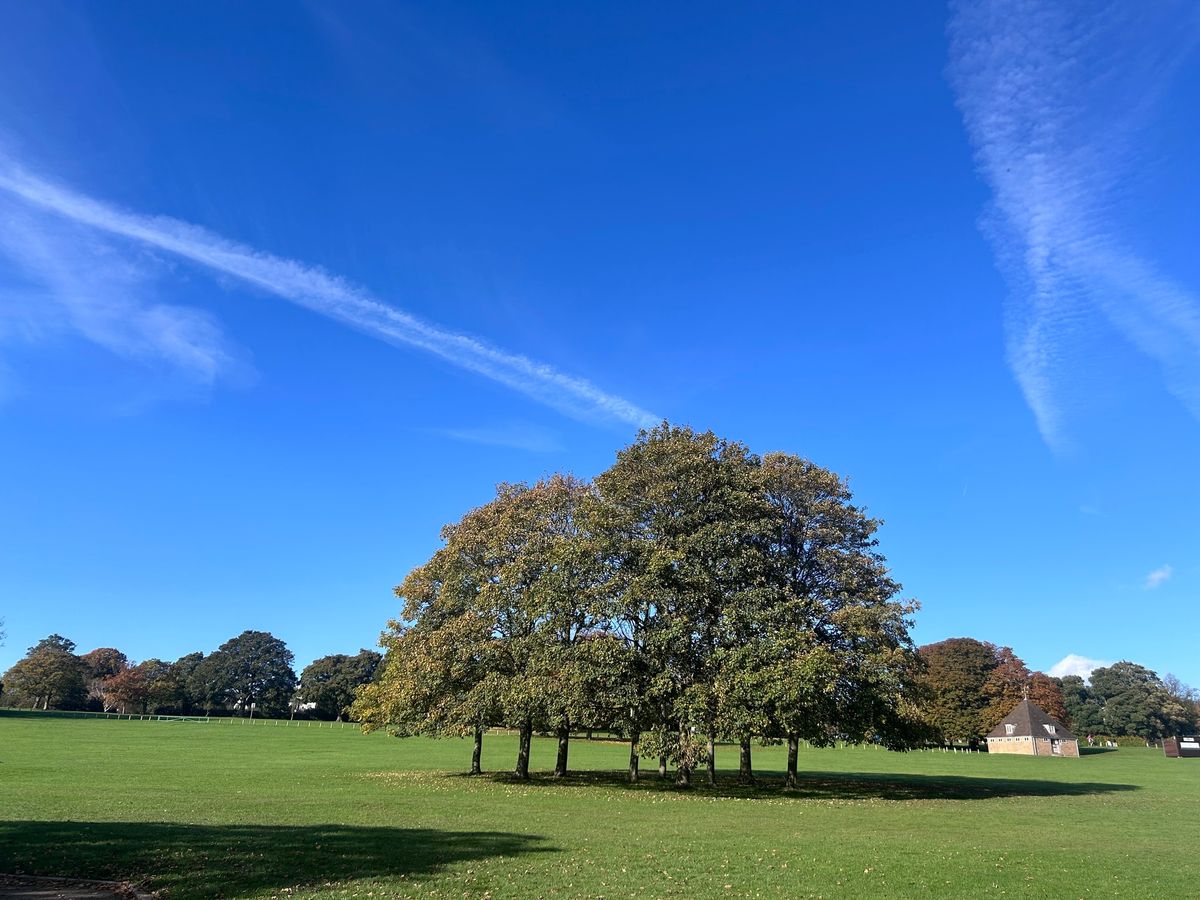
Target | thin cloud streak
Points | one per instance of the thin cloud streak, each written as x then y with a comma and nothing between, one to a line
1054,95
330,296
1158,577
108,297
514,437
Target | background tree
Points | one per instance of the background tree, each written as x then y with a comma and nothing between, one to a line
837,642
1136,702
254,672
1187,700
526,581
675,521
956,675
207,684
183,670
100,665
331,681
50,676
1085,712
126,691
165,691
1047,693
1010,682
435,678
433,681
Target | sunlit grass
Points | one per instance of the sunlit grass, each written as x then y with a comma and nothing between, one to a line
202,810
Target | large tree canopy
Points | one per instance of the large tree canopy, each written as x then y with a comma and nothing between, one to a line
1134,701
252,672
50,676
957,671
694,592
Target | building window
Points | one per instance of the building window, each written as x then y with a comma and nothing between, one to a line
1049,729
1009,728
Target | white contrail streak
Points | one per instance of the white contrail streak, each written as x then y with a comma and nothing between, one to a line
329,295
1056,96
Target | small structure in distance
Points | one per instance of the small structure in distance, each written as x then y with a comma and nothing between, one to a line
1182,747
1031,731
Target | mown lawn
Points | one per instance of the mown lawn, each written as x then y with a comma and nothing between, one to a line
207,810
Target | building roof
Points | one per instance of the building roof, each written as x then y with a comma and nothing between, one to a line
1031,721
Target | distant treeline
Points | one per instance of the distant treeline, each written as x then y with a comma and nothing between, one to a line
250,674
971,685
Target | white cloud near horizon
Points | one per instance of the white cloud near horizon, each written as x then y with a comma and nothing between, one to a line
1158,577
192,338
1074,664
1054,95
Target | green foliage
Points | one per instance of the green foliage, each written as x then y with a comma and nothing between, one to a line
957,671
1085,710
206,684
50,676
183,671
1135,701
331,681
251,672
694,591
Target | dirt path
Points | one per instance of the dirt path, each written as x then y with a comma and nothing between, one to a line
28,887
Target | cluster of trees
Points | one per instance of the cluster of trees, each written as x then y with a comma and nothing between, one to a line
1128,699
694,592
248,674
970,685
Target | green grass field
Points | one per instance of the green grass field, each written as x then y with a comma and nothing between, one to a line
207,810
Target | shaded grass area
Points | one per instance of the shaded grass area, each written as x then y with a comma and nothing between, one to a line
212,810
234,860
824,786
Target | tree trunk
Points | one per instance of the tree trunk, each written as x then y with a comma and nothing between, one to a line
477,751
564,745
683,775
633,757
793,749
662,767
712,759
522,770
745,766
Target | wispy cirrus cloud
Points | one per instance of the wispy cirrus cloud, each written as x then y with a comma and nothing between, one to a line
512,436
1158,577
192,337
1054,95
76,281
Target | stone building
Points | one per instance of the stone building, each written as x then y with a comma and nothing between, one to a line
1029,730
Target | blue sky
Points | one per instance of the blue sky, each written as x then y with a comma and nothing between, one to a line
283,289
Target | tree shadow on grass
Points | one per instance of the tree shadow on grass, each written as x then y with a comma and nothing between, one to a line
836,786
192,861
